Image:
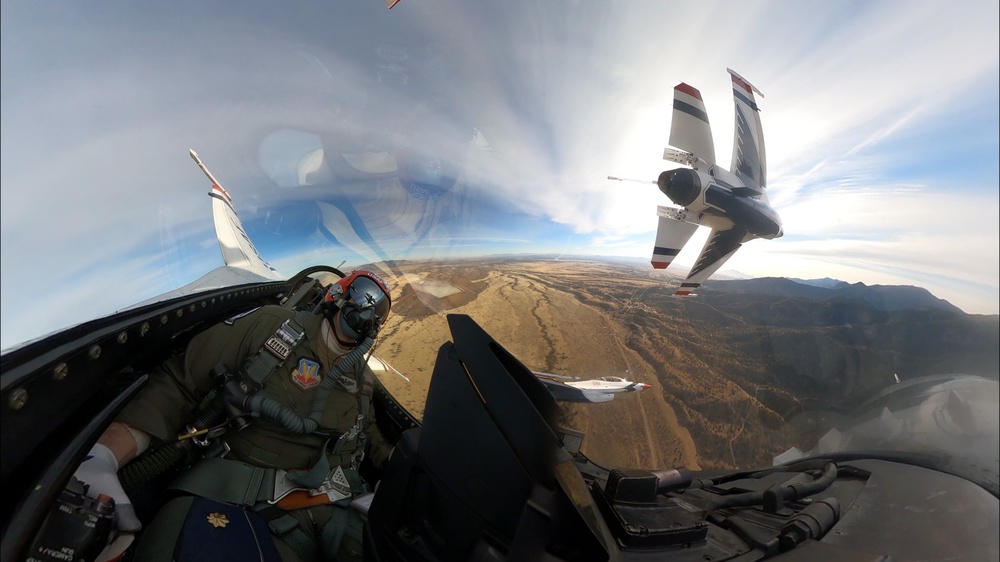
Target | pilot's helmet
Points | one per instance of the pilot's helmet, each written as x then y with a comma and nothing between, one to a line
364,301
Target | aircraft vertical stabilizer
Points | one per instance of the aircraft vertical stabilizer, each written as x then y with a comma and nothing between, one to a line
749,161
689,128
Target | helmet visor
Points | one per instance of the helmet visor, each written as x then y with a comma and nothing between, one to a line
367,294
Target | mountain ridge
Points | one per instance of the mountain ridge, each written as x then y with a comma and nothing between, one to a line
883,297
728,367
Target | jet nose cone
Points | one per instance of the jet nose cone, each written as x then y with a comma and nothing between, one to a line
781,232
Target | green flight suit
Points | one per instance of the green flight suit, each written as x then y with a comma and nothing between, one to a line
170,399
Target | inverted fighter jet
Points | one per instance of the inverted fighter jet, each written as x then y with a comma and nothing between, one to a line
733,203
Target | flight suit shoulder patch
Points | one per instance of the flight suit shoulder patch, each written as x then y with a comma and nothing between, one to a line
306,375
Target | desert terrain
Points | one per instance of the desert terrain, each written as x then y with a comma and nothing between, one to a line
590,319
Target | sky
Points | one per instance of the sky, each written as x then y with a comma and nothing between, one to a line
880,121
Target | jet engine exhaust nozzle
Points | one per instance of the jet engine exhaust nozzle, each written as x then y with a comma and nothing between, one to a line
682,186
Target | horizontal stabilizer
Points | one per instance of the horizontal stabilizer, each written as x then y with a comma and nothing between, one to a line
671,235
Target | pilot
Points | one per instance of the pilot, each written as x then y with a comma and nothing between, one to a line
288,440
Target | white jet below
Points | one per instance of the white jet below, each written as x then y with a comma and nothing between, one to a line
572,389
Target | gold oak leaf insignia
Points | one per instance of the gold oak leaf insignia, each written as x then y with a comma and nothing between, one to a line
218,520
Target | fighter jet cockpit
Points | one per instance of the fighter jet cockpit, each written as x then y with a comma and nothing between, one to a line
396,280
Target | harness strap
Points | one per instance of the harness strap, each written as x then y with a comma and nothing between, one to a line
333,532
227,481
283,525
277,348
364,388
248,486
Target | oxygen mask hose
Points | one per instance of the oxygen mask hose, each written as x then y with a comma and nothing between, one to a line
261,406
155,462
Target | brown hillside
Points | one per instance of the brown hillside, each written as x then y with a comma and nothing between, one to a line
723,369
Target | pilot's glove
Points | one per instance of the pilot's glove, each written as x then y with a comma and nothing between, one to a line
100,472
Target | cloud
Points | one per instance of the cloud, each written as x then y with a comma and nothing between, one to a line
862,102
889,235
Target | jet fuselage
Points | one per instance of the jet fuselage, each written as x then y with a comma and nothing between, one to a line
701,194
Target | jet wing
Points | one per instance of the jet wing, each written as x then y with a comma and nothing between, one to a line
563,392
244,263
749,162
721,244
237,250
671,235
689,128
380,366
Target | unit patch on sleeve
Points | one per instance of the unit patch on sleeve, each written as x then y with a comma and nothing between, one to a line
306,375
